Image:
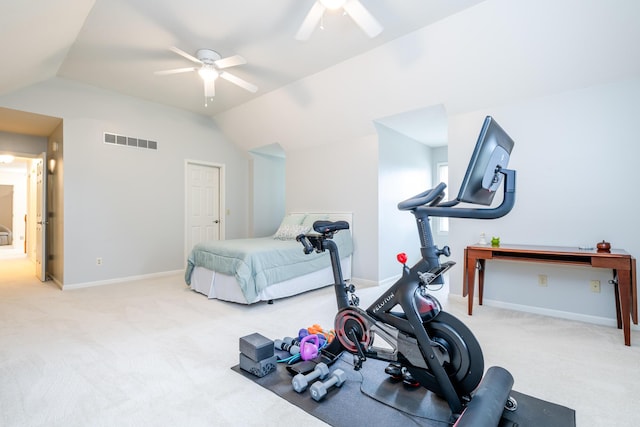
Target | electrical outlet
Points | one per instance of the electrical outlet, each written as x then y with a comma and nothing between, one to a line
595,286
98,261
542,280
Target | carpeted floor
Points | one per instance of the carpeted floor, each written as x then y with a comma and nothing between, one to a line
153,353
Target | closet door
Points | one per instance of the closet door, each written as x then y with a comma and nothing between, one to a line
203,203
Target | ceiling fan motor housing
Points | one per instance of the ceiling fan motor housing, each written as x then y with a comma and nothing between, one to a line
207,56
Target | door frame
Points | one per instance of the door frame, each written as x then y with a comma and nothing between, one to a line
42,218
221,195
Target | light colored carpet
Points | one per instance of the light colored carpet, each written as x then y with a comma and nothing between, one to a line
154,353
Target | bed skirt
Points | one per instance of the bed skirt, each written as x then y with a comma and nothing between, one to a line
224,287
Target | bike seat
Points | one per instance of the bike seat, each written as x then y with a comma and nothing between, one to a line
330,226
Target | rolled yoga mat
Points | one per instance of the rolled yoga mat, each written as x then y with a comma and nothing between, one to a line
487,405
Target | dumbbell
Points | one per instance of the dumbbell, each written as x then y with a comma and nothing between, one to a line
288,344
319,389
301,381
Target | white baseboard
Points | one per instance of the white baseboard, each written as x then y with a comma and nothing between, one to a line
596,320
57,282
389,281
363,283
120,280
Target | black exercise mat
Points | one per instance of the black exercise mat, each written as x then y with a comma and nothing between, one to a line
370,397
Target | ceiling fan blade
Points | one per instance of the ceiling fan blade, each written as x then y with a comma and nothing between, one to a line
362,18
311,21
238,81
174,71
230,61
185,55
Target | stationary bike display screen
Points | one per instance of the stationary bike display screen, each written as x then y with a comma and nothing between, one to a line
490,155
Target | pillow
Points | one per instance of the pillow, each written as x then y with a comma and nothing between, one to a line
311,218
293,219
290,231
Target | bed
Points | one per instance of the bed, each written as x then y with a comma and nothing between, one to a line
247,271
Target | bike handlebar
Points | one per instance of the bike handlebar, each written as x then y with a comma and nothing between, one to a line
308,247
428,203
423,198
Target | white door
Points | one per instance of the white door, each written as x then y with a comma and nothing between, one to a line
203,204
41,218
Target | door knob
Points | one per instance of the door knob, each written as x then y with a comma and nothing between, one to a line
216,221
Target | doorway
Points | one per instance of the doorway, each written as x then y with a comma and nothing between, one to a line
27,137
13,207
19,208
204,203
8,247
6,215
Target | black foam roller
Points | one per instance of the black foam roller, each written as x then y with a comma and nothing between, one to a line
487,404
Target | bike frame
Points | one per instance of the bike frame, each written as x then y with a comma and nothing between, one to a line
386,323
407,329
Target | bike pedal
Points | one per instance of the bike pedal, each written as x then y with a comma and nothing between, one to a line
411,383
408,379
394,371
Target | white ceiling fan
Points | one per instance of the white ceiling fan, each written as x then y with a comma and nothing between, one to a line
211,66
353,8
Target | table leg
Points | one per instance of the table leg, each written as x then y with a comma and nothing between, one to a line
465,284
624,282
616,289
470,278
634,292
480,280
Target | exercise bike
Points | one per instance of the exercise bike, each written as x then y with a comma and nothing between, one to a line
436,348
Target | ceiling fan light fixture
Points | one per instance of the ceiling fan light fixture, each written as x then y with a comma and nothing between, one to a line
353,8
208,73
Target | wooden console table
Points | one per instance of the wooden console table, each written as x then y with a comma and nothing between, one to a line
622,264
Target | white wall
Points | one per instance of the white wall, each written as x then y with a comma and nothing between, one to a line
123,204
340,177
441,155
576,156
23,144
268,185
501,57
497,52
404,170
367,177
559,76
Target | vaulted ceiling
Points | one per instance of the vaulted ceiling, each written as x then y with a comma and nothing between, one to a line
119,44
467,54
